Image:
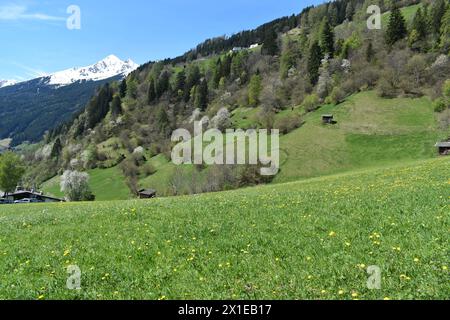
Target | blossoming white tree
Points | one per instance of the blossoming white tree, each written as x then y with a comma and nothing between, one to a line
75,186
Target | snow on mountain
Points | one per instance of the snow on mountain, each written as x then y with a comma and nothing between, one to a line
109,67
6,83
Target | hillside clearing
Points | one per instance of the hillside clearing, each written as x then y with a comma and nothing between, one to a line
106,184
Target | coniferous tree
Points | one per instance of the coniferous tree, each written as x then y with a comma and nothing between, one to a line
419,30
180,81
192,79
396,29
420,24
201,96
163,120
217,73
350,11
226,66
116,106
162,84
123,88
254,90
333,14
98,107
436,14
327,38
151,93
237,64
314,62
370,52
445,32
270,46
56,149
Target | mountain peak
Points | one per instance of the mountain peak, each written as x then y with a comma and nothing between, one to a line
111,58
108,67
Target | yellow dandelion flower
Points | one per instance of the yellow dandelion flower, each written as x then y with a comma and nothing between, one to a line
41,297
332,234
341,292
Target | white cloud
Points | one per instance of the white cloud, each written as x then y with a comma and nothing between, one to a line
19,12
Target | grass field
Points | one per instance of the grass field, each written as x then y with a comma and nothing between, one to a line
370,132
303,240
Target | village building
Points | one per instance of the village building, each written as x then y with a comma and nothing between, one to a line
147,194
21,194
443,148
328,119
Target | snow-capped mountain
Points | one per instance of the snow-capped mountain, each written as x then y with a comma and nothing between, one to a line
107,68
7,83
29,108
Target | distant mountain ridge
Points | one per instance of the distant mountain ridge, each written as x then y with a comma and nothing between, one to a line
7,83
28,109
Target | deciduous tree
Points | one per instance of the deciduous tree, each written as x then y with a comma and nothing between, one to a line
11,171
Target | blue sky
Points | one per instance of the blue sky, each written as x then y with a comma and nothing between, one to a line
36,41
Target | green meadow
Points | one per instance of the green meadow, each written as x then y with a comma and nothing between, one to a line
312,239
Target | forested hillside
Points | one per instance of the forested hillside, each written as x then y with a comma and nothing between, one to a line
29,109
280,75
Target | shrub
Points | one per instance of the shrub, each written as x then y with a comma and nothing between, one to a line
386,89
250,176
289,124
439,105
148,170
337,95
446,89
311,102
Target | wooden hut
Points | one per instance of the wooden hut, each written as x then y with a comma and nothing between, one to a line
328,119
147,194
443,148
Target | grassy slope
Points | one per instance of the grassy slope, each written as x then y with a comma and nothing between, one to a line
106,184
408,14
308,239
370,132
